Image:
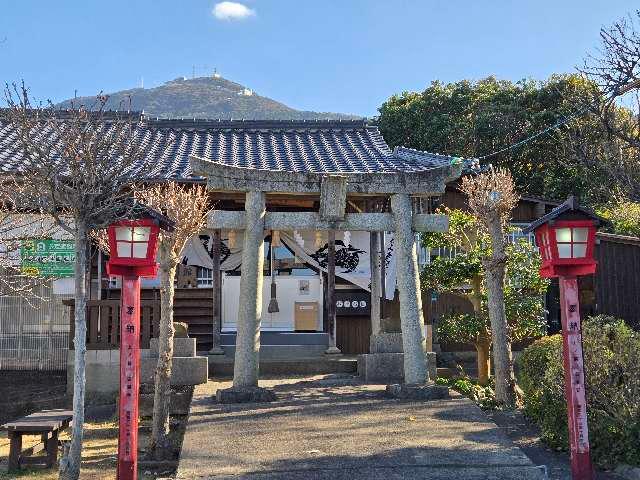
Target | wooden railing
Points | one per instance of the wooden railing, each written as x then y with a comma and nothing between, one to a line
103,323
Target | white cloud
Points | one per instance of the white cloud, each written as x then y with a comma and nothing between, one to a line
232,11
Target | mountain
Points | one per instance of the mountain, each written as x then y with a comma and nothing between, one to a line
204,97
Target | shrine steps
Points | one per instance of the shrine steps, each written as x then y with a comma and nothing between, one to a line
222,365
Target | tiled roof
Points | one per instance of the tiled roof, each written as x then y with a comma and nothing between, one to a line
295,146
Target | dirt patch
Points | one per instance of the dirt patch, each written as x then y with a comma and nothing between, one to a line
25,392
99,453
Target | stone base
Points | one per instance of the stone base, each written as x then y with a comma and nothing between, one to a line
386,343
245,395
103,371
389,367
216,351
182,347
179,405
332,351
427,391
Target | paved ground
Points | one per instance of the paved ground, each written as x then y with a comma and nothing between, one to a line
334,428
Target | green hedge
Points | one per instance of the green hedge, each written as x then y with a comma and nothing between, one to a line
612,359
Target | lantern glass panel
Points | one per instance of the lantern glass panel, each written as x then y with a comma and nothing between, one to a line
123,233
563,235
140,250
580,234
141,234
579,250
564,250
124,249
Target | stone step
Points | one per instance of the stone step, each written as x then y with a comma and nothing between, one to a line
283,338
222,365
282,352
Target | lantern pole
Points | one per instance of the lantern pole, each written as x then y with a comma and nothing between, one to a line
574,229
129,377
581,467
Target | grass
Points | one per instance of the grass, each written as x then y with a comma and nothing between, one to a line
99,453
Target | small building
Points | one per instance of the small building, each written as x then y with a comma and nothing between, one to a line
296,260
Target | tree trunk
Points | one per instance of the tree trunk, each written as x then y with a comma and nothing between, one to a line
70,464
495,273
483,346
483,361
160,447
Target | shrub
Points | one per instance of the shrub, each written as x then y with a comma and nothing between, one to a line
611,353
624,217
483,395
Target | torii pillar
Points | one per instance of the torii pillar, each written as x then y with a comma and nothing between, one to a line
411,318
246,367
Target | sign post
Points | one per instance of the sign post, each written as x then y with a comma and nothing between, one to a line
129,378
574,379
566,239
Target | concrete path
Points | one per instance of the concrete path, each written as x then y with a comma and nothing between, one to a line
335,428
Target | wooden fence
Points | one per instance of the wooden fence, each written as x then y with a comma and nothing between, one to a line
103,323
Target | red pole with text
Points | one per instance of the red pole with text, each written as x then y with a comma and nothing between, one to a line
129,378
581,468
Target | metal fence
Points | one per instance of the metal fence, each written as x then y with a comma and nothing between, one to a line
34,330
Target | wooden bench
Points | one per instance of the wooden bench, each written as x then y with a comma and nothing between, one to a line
48,424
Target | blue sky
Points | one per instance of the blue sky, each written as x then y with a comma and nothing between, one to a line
324,55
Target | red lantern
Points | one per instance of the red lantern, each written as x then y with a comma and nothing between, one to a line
133,245
566,239
566,247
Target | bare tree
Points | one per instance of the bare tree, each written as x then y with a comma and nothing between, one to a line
615,69
75,166
187,206
492,198
609,159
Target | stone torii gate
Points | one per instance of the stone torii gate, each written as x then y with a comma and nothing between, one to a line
333,190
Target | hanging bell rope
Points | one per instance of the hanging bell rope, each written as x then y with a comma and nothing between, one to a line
273,302
231,239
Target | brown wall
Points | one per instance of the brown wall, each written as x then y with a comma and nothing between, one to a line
617,279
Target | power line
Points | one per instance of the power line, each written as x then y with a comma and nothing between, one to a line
556,125
564,120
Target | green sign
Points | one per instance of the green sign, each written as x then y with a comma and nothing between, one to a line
48,258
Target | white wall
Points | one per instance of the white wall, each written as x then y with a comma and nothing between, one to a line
288,293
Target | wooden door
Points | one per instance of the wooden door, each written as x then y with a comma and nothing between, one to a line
352,334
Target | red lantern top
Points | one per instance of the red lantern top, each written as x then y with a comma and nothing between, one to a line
133,243
133,248
566,239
